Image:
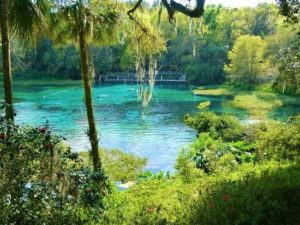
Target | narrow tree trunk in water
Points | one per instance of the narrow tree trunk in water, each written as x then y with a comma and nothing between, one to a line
89,102
7,77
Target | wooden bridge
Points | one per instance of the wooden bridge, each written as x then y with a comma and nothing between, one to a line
163,77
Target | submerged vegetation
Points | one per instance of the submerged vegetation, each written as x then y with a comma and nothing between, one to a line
258,100
234,172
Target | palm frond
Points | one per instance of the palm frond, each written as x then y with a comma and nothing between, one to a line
96,20
29,19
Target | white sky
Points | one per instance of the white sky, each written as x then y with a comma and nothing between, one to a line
238,3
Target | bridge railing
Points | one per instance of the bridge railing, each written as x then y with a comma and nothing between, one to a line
161,76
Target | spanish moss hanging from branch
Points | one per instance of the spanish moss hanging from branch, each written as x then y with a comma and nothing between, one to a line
145,47
146,88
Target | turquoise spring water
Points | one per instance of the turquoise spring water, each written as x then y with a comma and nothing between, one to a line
157,132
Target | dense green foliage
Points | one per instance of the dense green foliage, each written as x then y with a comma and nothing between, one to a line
279,141
261,194
221,182
197,47
233,173
290,9
284,53
259,142
119,166
252,195
43,182
246,59
226,127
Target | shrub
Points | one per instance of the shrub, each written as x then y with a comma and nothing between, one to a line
280,142
118,165
43,182
154,201
186,167
205,150
265,194
213,156
261,194
224,126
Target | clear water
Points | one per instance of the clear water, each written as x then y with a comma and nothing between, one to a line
157,132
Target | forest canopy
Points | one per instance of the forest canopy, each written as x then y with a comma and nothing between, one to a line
197,47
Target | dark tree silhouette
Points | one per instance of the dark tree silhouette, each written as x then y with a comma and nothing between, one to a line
173,6
290,9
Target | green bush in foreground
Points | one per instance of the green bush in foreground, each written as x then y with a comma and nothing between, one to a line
251,178
155,201
262,194
42,182
269,140
118,165
266,194
280,141
207,153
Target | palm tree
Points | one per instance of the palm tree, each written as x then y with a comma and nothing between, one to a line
6,60
83,22
27,20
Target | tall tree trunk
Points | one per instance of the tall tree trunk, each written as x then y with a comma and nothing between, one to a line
89,102
7,77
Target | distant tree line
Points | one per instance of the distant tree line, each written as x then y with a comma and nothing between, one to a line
202,48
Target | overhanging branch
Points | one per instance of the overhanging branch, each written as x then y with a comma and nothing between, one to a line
195,12
131,11
173,7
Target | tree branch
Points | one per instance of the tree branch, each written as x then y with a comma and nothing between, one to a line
170,11
131,11
195,13
173,7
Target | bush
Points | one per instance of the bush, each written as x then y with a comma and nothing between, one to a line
43,182
224,126
265,194
280,142
261,194
186,167
205,151
213,156
155,201
118,165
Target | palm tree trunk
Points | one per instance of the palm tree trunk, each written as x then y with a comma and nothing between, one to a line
7,77
89,102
